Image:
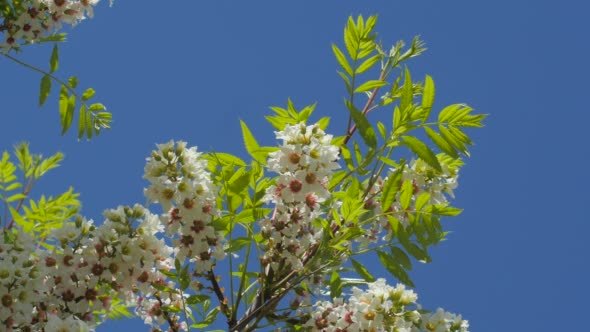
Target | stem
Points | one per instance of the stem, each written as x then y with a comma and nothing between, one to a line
183,305
375,174
242,325
384,73
62,83
25,192
173,326
242,283
218,293
41,71
351,99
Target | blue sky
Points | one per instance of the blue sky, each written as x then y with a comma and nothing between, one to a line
517,258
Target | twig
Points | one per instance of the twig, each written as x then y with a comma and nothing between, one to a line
219,294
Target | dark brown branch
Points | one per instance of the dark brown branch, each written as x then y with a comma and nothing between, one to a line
171,323
219,293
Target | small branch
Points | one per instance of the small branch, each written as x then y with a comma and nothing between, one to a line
384,72
219,294
41,71
241,288
25,192
173,326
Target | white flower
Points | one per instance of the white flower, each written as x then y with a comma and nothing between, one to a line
381,308
70,324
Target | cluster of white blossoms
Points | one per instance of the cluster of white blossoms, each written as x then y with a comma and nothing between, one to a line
20,279
41,17
154,310
180,182
121,258
381,308
304,162
424,179
60,289
71,323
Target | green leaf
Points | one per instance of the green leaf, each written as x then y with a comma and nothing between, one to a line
351,38
421,201
237,244
368,64
54,60
13,186
395,268
82,121
58,37
49,164
342,59
382,130
443,210
422,151
370,85
362,271
89,93
401,257
441,142
427,97
26,226
407,91
406,194
73,82
16,197
250,142
261,154
450,138
417,252
335,285
460,115
67,105
195,299
225,159
364,127
239,181
97,107
324,122
45,89
390,189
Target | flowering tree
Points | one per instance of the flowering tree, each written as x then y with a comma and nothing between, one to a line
292,224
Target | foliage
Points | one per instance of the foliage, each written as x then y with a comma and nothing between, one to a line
26,23
17,178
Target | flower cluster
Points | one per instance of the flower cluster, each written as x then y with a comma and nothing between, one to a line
37,18
153,310
120,258
89,267
381,308
20,279
71,323
180,182
304,163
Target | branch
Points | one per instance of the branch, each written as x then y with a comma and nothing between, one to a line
219,294
367,108
173,325
25,192
41,71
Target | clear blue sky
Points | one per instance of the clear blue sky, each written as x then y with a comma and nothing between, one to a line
517,259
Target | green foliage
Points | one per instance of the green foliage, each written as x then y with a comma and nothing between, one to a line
34,216
412,104
290,115
257,152
93,117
